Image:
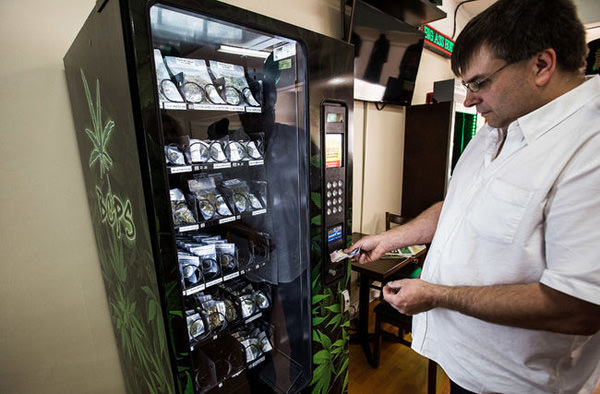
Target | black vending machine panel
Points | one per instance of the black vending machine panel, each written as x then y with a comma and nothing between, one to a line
335,135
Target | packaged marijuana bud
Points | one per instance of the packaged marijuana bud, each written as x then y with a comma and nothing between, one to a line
174,156
216,152
210,202
181,213
195,324
193,92
247,305
167,90
208,261
235,150
195,80
236,85
190,269
261,300
227,255
252,347
210,268
215,311
243,199
199,152
252,151
265,344
230,311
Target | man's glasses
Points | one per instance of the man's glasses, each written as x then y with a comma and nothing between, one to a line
476,85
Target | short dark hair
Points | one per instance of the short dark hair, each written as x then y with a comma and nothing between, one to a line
515,30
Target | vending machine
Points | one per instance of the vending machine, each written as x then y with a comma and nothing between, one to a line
216,154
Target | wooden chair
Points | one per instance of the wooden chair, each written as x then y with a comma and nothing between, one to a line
392,218
385,313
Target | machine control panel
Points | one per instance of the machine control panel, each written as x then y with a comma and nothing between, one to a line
334,143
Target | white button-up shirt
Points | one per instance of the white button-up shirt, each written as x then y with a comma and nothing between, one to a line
531,214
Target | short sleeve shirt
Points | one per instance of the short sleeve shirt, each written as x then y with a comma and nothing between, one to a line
531,214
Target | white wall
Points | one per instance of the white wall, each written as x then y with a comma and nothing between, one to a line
56,335
55,330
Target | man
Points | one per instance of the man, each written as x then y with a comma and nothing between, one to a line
509,297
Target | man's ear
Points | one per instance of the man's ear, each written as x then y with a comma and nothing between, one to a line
544,65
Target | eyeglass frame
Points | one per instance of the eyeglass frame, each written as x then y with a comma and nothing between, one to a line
475,86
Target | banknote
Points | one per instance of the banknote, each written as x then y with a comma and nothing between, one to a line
340,255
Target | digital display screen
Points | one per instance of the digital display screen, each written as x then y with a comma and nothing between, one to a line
333,150
333,117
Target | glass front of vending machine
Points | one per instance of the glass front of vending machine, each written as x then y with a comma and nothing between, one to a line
233,117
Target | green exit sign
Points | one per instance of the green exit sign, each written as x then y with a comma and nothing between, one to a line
437,41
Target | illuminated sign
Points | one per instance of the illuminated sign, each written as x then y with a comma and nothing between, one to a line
437,41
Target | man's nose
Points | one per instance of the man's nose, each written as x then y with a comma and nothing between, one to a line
471,99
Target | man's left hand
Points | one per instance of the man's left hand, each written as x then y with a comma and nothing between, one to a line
411,296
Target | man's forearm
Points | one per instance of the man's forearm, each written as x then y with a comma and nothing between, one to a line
532,306
420,230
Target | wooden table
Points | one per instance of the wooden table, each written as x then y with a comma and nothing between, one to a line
379,270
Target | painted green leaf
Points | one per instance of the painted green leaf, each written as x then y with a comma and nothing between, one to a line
335,321
319,297
316,279
94,155
316,337
325,340
335,308
324,378
100,135
343,367
318,320
316,199
338,343
321,356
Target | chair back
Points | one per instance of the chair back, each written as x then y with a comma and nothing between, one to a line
392,218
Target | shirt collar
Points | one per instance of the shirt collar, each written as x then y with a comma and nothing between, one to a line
536,123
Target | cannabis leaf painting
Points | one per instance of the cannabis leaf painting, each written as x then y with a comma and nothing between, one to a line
126,261
101,134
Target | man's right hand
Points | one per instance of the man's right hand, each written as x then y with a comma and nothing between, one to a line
372,247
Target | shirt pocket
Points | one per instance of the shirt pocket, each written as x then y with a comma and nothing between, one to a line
497,213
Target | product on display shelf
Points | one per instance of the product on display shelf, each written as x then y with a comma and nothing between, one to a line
235,150
190,268
199,151
174,156
237,90
254,340
182,215
167,90
195,80
195,323
208,261
216,151
252,151
210,202
242,198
